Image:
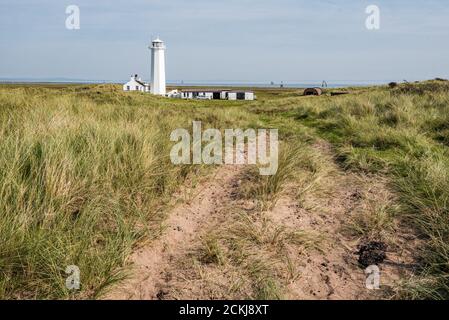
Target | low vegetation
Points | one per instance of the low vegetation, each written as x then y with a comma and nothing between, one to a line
85,175
400,133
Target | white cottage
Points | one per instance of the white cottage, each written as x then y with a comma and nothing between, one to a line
136,84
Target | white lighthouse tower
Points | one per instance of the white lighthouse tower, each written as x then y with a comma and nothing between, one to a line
158,67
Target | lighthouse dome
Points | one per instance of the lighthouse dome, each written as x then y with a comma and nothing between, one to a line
157,43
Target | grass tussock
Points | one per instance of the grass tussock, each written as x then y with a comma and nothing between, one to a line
374,217
301,171
264,253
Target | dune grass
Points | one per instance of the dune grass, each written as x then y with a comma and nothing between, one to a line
264,253
401,133
85,173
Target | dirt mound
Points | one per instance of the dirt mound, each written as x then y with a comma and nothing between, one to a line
372,253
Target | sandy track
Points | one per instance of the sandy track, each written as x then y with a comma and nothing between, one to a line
164,269
151,263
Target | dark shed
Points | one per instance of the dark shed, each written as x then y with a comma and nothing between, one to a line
313,92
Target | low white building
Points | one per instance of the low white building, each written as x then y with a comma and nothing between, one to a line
215,94
240,95
136,84
173,94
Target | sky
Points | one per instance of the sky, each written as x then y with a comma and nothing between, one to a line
227,40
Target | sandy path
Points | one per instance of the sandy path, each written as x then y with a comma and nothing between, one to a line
333,273
150,263
165,270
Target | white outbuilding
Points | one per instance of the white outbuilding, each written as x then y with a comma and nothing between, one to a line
136,84
215,94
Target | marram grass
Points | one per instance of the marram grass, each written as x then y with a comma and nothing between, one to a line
84,174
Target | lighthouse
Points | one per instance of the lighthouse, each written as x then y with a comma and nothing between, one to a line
157,67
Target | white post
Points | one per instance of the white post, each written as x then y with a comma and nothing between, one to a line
157,67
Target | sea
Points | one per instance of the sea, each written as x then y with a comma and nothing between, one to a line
216,83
